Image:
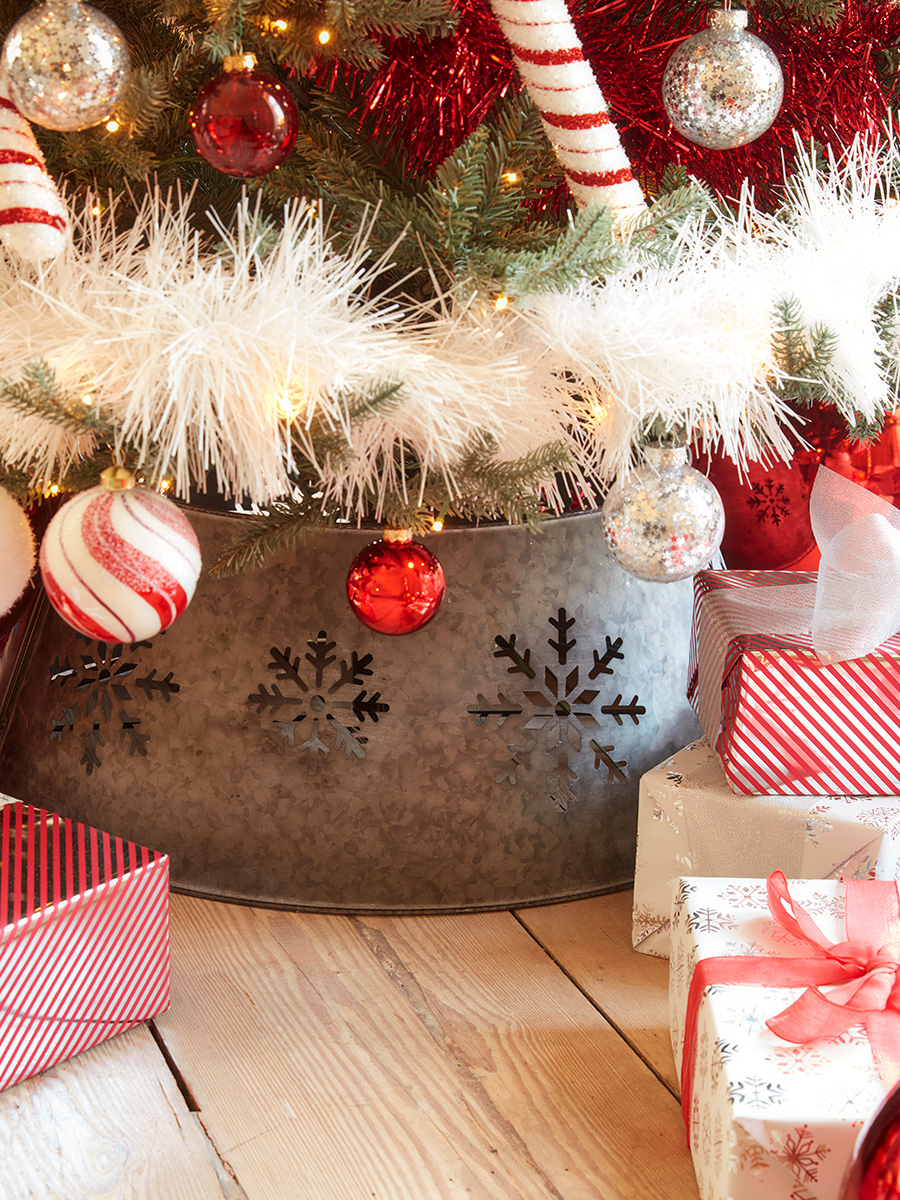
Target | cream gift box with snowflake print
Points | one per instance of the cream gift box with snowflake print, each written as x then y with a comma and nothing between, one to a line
690,821
769,1120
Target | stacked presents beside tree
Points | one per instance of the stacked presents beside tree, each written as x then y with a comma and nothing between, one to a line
768,855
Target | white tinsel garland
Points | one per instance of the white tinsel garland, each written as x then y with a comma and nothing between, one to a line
214,359
690,345
235,360
835,248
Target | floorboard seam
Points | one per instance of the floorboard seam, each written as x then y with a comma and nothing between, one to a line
228,1181
475,1089
189,1098
590,999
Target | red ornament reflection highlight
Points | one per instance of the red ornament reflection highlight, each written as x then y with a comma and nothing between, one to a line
395,587
244,123
881,1180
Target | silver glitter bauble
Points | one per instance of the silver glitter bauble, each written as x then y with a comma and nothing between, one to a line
66,65
666,522
723,87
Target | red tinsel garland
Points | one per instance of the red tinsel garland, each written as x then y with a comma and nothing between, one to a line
428,96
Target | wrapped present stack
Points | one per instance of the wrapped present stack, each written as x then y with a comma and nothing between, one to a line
780,1071
768,860
795,677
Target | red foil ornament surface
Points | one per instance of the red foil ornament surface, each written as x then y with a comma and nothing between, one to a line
396,585
873,1172
244,122
881,1180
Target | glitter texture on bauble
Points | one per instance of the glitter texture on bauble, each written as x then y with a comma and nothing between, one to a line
723,87
666,521
66,65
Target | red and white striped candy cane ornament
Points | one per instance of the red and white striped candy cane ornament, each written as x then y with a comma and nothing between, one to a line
560,82
33,219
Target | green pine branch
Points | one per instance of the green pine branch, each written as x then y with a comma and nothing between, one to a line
282,527
488,489
38,394
803,12
504,490
803,354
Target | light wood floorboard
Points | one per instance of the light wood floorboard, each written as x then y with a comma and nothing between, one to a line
109,1123
486,1056
591,941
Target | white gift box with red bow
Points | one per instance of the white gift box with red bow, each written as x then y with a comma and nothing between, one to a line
770,1118
691,823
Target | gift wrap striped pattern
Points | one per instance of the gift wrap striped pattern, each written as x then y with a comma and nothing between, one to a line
782,722
84,938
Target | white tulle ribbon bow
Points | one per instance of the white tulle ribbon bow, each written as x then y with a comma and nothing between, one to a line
857,599
855,604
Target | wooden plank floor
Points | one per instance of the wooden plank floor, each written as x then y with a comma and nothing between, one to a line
518,1055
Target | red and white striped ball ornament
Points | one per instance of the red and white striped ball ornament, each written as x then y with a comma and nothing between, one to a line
17,551
119,562
33,220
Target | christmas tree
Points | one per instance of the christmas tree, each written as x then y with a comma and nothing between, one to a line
418,309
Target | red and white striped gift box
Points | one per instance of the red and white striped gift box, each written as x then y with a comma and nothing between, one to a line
84,938
782,722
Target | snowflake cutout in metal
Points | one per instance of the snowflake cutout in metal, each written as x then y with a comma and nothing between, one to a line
560,711
101,680
769,501
335,719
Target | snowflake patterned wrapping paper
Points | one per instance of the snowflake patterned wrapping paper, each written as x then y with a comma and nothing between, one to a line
84,938
782,722
769,1120
689,821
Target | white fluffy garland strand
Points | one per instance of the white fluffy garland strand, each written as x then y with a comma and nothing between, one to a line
690,345
835,248
223,360
213,359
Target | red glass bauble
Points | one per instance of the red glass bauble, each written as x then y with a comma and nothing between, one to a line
873,1172
244,123
395,586
881,1180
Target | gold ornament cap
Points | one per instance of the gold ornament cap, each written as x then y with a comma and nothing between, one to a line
240,62
117,479
398,535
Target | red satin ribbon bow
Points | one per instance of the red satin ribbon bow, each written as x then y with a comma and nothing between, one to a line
866,968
